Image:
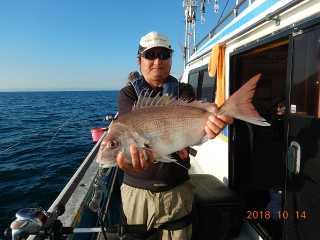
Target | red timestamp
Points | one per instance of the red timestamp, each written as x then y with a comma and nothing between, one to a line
281,215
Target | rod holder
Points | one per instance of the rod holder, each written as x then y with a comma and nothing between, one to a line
277,19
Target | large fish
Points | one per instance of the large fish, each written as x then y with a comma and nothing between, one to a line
165,125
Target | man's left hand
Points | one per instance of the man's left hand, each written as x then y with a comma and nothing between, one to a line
216,124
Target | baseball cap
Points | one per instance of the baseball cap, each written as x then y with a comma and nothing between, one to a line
154,39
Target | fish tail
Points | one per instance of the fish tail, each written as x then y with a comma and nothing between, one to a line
239,105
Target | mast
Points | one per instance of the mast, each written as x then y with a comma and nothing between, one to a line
190,20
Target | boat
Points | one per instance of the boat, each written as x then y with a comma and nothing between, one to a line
275,169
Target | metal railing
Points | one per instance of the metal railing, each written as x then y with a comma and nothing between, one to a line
234,11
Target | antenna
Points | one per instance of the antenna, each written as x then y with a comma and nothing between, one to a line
190,21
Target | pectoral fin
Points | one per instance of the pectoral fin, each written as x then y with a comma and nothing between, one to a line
164,158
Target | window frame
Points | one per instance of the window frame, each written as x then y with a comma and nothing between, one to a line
200,71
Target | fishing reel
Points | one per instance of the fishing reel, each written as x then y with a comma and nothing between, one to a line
31,221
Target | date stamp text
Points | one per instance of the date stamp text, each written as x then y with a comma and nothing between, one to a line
281,215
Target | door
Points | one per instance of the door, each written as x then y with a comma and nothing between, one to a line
301,212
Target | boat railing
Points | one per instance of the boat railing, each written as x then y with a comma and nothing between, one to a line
273,15
234,11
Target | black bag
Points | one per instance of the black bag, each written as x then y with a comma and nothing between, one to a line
217,209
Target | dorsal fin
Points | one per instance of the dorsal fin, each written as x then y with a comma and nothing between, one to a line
147,101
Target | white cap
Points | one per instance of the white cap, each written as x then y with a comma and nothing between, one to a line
154,39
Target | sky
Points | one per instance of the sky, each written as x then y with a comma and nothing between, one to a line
86,44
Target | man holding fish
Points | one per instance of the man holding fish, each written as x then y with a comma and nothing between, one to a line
159,193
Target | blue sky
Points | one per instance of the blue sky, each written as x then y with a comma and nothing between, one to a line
89,44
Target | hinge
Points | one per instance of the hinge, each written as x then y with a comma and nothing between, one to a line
297,33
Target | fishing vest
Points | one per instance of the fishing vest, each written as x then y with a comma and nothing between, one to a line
170,86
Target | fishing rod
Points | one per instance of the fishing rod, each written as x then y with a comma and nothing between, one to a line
32,221
108,118
76,115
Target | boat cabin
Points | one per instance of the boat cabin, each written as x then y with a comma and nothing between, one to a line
275,168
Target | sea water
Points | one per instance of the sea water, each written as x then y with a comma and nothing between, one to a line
34,172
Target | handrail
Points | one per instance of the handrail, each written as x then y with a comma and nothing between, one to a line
218,25
256,24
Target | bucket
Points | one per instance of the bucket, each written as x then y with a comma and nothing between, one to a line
97,133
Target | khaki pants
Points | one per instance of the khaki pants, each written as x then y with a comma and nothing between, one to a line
153,209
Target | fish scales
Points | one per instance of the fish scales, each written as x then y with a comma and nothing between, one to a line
165,125
159,126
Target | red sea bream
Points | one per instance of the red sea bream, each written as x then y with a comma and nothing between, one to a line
166,125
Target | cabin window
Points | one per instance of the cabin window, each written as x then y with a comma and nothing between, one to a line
193,81
208,84
202,84
306,75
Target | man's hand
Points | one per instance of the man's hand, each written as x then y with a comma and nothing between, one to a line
183,154
216,124
139,163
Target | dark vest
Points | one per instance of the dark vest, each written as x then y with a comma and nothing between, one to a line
160,176
170,86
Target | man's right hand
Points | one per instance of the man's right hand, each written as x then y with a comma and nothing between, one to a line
139,163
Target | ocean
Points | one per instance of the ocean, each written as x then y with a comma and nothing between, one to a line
34,172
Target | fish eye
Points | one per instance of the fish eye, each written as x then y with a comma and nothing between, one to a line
113,143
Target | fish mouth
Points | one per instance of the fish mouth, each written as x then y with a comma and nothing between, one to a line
106,163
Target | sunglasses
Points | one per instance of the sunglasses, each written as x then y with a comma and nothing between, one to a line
152,55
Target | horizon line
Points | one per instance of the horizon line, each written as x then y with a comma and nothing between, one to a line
53,89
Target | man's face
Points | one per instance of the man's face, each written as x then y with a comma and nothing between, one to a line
155,71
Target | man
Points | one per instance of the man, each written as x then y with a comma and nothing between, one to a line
159,194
